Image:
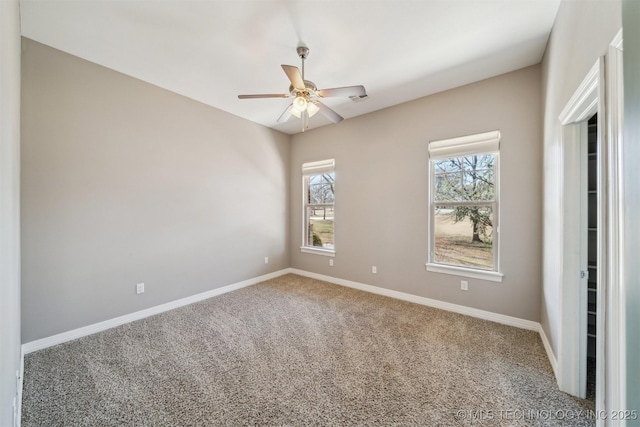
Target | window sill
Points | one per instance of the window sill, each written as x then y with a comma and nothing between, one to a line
492,276
325,252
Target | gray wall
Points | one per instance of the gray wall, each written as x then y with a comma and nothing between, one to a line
631,197
582,32
9,206
124,182
382,183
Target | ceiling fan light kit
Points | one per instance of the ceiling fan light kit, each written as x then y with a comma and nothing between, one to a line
306,96
300,104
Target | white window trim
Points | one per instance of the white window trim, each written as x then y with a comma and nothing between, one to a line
482,143
493,276
315,168
325,252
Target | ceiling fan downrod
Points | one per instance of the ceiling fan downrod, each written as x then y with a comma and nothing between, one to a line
303,52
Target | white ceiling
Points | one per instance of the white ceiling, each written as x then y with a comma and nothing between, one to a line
214,50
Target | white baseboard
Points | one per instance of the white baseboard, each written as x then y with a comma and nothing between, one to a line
547,347
19,396
456,308
121,320
461,309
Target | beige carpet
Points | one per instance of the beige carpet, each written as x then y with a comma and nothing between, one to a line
294,351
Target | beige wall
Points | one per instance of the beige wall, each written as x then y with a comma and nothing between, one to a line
381,192
582,33
9,207
123,182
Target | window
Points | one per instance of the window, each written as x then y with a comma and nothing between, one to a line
318,207
463,206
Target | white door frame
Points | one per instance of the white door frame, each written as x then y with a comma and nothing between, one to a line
587,100
615,370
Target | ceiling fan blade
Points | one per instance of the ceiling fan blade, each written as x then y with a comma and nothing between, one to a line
329,113
343,91
294,76
285,114
265,95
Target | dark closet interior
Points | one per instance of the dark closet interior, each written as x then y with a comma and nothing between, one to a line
592,250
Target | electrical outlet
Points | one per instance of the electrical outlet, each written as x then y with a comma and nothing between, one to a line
266,260
140,288
374,269
464,285
330,262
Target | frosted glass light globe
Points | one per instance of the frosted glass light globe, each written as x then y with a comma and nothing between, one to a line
299,104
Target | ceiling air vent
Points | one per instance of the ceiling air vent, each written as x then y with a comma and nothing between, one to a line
358,98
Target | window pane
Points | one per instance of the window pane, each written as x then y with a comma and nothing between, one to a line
321,188
464,179
320,226
464,236
478,177
448,180
448,187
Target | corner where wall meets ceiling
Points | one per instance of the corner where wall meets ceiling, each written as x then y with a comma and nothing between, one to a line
212,51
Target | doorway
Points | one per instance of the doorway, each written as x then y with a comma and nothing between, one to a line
592,254
588,105
584,267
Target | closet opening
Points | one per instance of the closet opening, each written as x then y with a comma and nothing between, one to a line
592,253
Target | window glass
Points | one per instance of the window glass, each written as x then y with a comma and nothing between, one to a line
464,178
463,211
459,241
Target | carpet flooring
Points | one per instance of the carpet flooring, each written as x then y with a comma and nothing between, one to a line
294,351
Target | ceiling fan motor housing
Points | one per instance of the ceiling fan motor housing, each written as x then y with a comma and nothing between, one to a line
310,86
303,52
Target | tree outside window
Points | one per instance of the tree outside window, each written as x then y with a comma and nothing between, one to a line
319,210
463,209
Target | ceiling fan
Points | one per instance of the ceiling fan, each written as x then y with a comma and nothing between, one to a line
306,96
